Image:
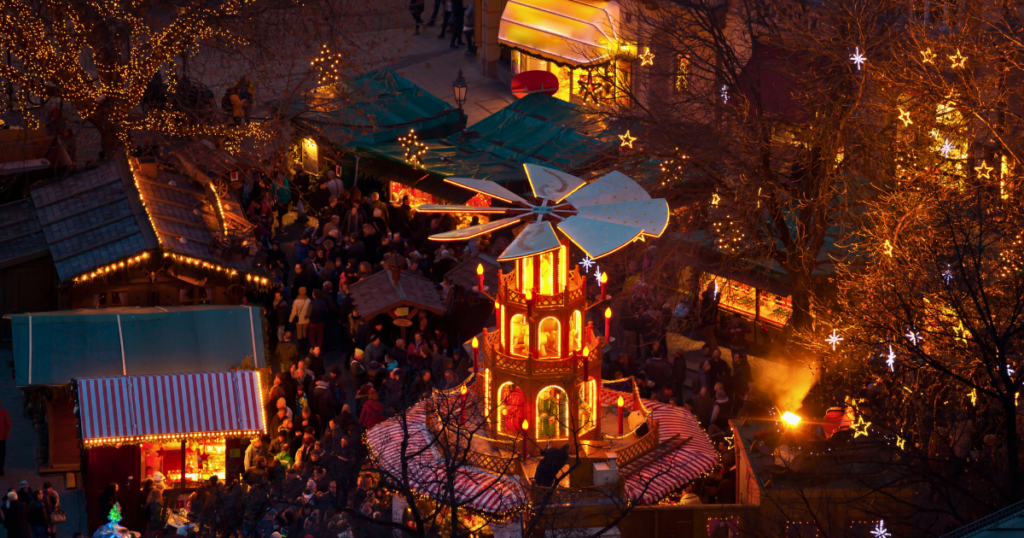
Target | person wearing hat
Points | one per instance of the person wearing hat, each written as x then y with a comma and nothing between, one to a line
25,493
16,517
265,528
258,448
356,368
721,412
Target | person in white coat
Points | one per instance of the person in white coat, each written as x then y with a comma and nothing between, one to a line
300,313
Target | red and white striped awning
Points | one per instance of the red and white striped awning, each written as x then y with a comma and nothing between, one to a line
133,408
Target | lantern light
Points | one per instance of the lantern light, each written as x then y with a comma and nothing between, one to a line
462,390
790,418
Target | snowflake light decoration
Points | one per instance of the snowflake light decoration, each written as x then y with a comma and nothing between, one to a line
947,275
890,359
857,58
834,339
587,263
880,531
724,92
597,273
946,149
913,336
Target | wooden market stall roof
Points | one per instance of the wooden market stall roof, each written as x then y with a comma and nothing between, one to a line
464,273
21,236
386,290
576,32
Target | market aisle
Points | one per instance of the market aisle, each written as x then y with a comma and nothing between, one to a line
23,454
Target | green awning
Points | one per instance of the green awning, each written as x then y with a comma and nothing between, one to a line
51,348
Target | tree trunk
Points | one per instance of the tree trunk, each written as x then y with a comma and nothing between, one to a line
800,286
1012,444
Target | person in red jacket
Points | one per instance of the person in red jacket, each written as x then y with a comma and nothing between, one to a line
373,411
5,432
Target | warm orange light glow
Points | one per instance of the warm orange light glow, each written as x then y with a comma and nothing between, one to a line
479,268
529,295
475,343
604,277
790,418
462,390
526,425
586,351
620,402
608,313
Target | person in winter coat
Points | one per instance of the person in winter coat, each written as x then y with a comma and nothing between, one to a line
373,411
469,30
721,412
324,402
257,449
317,318
353,222
287,354
300,313
38,517
280,317
16,517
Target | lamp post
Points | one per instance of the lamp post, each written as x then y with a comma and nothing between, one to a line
460,88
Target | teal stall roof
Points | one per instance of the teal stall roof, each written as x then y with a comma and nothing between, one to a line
51,348
375,108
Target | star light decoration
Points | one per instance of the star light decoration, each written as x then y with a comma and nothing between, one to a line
974,396
880,531
724,92
647,58
890,359
627,140
857,58
947,275
984,171
927,56
905,117
587,263
947,148
959,60
834,339
860,427
900,442
414,149
914,336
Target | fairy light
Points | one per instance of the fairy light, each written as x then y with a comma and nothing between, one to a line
220,210
227,271
107,269
327,65
414,149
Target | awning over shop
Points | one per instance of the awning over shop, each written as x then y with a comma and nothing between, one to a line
566,31
134,408
51,348
376,107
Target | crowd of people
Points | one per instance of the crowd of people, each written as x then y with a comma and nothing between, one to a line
29,513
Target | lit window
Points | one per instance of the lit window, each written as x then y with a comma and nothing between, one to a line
511,408
520,335
549,338
552,413
547,273
526,270
683,74
576,331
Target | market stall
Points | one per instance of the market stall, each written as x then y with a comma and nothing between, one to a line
178,429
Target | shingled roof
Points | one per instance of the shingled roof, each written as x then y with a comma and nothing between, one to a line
379,293
91,219
464,274
21,236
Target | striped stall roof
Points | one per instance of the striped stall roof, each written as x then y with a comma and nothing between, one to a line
172,405
479,489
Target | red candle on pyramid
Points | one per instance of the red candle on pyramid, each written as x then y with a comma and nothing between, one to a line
480,277
621,402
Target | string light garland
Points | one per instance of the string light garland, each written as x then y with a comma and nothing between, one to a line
108,269
327,66
627,140
227,271
414,149
673,168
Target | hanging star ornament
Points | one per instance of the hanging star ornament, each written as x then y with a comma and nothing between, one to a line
959,60
947,148
905,118
860,427
834,339
587,263
890,359
880,531
984,171
913,336
627,140
857,58
927,56
647,58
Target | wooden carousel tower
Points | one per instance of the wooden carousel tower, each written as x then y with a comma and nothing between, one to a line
541,369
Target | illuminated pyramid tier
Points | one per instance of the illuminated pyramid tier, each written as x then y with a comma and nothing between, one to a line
542,367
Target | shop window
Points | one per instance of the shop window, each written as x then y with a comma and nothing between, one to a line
511,408
195,296
552,413
203,458
549,338
576,331
520,335
110,299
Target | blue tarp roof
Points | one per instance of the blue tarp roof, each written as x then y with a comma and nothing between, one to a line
383,106
87,343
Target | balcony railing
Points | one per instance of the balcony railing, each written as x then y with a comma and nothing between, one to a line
574,290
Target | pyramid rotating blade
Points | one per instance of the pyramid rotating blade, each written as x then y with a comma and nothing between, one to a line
434,208
551,184
487,188
536,237
651,215
597,238
473,231
610,188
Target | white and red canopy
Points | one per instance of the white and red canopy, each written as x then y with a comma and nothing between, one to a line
132,408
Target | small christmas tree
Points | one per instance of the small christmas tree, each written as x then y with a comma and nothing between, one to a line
115,513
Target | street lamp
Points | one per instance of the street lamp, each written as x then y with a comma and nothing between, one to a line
460,88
